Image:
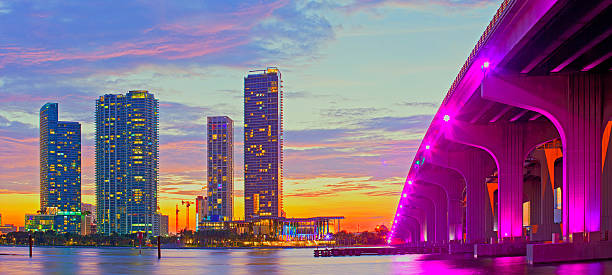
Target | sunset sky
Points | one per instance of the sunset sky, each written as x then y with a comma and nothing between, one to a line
362,80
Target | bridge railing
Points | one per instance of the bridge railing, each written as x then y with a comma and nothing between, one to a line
484,38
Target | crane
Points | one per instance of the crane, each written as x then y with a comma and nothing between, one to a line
177,225
187,203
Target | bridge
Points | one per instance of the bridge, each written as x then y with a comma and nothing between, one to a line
517,159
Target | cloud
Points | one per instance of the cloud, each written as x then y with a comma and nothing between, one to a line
416,123
368,5
419,104
71,38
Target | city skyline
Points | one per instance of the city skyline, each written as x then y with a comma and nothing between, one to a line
336,104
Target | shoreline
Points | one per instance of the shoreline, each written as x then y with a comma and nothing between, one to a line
155,247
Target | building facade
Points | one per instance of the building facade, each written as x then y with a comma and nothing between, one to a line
220,170
60,161
163,225
263,144
126,162
55,220
201,208
7,228
88,220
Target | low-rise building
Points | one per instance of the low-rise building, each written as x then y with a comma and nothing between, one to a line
60,222
279,228
7,228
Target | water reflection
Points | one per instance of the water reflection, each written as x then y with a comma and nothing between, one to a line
265,261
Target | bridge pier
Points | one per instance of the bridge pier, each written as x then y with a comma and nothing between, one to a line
414,230
438,197
429,210
546,157
573,103
453,186
419,216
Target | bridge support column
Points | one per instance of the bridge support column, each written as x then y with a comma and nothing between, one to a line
474,165
429,210
438,197
419,216
455,217
606,181
452,184
414,229
546,224
573,103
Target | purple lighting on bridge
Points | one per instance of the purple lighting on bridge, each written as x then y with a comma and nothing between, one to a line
485,65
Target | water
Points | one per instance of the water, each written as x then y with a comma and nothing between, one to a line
49,260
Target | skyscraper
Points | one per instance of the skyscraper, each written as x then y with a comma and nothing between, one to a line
127,162
263,144
163,225
60,162
201,209
220,168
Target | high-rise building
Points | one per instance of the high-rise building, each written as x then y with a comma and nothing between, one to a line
88,218
60,161
201,209
263,144
163,225
126,162
220,168
86,207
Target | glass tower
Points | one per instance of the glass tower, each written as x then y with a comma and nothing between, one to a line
220,168
60,162
127,163
263,144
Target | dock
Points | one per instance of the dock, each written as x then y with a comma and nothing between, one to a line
359,251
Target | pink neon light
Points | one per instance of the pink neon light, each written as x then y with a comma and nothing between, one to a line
485,65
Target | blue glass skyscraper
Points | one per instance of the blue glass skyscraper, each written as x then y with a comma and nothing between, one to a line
60,170
60,161
127,163
263,144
